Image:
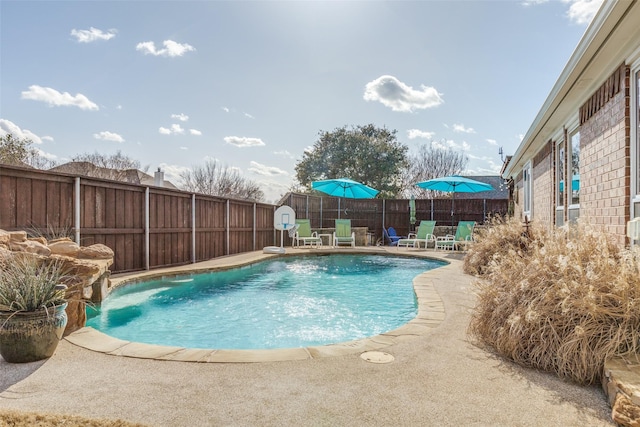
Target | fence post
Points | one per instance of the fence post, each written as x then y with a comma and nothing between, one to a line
77,210
193,228
484,210
321,220
146,228
254,225
431,209
226,225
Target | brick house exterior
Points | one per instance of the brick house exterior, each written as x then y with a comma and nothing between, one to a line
586,134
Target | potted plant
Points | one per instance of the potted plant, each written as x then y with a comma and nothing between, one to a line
32,307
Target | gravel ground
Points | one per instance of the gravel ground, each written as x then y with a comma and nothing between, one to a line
437,379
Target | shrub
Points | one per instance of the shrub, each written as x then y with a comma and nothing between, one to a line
499,237
30,284
564,304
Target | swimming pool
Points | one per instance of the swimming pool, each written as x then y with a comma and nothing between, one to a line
286,302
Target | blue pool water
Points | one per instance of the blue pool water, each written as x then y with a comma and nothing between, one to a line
287,302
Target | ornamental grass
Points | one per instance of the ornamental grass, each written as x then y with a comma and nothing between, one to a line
560,301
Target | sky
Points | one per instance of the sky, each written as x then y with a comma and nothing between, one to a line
251,84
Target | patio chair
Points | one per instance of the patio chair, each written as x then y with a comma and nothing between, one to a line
304,236
424,234
343,234
462,238
391,236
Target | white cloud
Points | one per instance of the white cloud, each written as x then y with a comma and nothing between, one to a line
175,129
55,98
582,12
461,129
46,155
181,117
243,141
108,136
492,142
8,127
184,148
171,49
195,132
225,109
284,153
261,169
417,133
92,35
248,115
534,2
451,144
398,96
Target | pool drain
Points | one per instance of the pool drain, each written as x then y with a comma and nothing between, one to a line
377,357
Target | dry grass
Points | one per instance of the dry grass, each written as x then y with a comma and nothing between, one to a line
563,302
29,419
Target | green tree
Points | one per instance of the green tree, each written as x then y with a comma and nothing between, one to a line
365,154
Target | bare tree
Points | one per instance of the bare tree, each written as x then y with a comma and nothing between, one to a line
117,166
20,152
432,162
222,181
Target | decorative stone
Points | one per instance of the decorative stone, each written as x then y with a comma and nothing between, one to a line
87,278
65,247
621,383
40,240
5,236
18,236
97,251
29,246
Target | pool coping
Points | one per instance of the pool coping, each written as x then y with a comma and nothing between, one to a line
431,313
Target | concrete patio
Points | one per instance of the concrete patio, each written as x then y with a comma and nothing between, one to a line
434,376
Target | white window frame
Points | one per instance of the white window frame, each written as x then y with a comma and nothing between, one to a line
573,127
527,187
558,139
635,138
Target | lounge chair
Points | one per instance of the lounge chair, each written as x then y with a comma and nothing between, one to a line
343,234
462,238
391,236
304,236
424,234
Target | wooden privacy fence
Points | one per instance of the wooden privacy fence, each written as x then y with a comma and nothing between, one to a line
146,227
376,213
152,227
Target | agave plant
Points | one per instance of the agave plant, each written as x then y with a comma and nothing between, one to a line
27,284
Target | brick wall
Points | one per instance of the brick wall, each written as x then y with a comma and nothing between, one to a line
543,186
605,165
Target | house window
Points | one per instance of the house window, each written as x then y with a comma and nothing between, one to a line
526,179
637,135
574,190
560,177
572,186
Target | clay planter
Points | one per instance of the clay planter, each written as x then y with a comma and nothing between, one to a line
29,336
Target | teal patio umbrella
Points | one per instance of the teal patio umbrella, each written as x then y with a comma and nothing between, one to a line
344,187
455,184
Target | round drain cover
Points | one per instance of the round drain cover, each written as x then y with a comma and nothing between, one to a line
377,357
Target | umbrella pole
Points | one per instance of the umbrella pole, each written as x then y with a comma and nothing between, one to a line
453,198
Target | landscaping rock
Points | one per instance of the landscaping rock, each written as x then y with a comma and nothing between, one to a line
86,267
